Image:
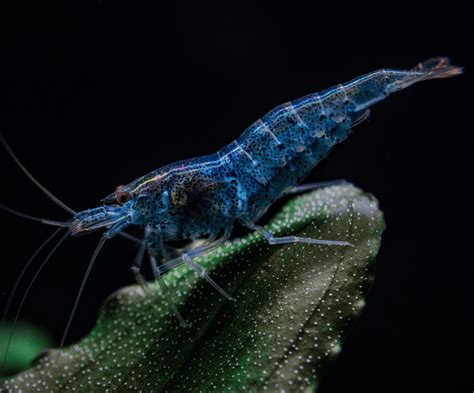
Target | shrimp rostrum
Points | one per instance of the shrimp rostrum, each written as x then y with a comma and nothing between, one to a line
205,197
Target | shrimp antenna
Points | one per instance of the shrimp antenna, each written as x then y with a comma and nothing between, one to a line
79,293
48,193
58,223
33,218
30,285
18,280
22,273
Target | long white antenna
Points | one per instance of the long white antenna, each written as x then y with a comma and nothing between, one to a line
33,218
48,193
83,283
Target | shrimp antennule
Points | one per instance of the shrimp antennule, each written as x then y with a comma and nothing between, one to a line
33,218
30,285
83,283
48,193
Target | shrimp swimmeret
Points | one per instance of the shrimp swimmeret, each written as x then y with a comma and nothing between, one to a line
203,198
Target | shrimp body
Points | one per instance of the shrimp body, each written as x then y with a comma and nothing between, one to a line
207,195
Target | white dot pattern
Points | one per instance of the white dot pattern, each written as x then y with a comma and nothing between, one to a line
294,303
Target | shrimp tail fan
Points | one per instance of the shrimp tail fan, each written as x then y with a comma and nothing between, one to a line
437,68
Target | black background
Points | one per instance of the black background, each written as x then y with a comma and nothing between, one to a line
95,94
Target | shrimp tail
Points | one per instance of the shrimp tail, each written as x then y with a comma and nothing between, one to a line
435,68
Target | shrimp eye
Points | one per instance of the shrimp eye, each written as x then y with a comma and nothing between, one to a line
178,197
122,197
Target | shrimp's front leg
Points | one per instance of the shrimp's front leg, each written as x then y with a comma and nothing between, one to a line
188,257
313,186
165,289
271,239
137,263
153,244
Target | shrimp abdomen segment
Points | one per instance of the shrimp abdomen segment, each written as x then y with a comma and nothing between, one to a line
280,149
318,119
368,89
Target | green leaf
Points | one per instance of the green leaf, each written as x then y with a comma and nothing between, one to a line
27,342
294,304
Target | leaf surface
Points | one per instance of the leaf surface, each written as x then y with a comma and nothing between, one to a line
294,306
25,345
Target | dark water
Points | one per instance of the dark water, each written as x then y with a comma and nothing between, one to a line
95,94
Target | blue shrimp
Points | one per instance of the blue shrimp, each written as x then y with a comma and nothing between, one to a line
203,198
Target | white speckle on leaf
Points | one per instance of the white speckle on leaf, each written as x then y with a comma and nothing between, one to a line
294,305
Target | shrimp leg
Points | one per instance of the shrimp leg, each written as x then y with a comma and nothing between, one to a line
312,186
188,259
203,273
137,263
144,246
291,239
165,289
165,267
